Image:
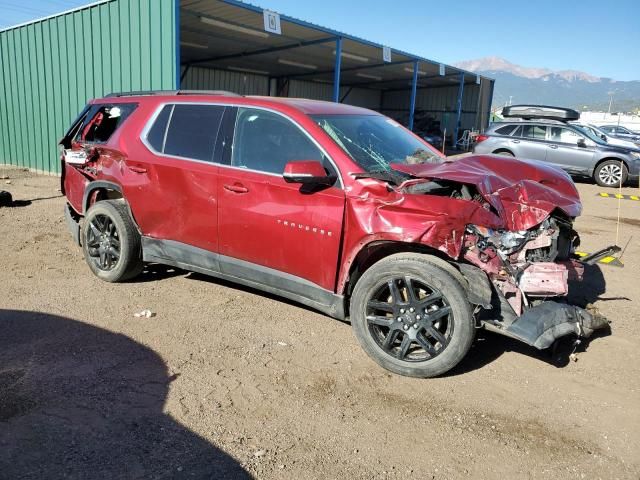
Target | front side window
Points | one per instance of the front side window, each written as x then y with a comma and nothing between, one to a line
564,135
266,142
375,142
102,121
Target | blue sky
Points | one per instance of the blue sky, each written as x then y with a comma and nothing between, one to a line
598,37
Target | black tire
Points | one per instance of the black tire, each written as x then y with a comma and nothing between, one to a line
504,153
611,173
111,242
446,323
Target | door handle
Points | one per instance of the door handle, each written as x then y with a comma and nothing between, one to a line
553,146
236,188
137,169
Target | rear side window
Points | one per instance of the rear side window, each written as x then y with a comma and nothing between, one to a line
156,135
186,130
536,132
102,121
508,130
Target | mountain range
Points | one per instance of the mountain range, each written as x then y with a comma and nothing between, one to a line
565,88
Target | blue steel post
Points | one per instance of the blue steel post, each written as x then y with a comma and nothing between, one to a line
458,111
177,47
414,91
336,70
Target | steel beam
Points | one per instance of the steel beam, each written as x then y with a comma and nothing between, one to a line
184,74
262,51
491,84
350,69
414,91
456,128
336,70
176,7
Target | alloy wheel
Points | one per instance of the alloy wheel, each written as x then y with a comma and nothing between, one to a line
611,174
103,242
409,319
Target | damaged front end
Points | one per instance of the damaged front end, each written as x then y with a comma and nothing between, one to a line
529,271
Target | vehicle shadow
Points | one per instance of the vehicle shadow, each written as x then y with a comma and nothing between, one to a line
25,203
77,401
157,271
489,346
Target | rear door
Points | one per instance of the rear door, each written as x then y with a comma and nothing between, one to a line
565,152
266,222
172,179
529,141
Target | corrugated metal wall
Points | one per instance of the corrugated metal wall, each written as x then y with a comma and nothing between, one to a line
50,68
198,78
440,103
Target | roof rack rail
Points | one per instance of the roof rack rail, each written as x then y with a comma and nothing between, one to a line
172,92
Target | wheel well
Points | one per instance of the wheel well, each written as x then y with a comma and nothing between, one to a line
607,159
99,190
100,194
376,251
107,191
502,150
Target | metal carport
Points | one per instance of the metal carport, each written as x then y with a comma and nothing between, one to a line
50,67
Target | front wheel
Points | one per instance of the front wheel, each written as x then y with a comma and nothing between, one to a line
611,173
411,316
111,242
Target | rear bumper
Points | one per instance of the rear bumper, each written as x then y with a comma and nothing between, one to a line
73,223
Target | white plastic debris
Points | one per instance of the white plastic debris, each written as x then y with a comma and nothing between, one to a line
144,314
282,344
259,453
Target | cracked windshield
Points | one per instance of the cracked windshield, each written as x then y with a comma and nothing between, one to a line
375,142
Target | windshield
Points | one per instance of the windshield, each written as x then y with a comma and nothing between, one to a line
375,142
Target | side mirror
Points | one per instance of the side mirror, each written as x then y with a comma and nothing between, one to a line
582,143
307,172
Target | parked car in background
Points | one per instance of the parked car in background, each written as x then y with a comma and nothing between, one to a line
334,206
610,139
621,132
551,140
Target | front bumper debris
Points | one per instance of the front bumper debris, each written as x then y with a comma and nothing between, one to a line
542,325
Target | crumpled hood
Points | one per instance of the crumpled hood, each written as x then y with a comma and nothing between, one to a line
523,192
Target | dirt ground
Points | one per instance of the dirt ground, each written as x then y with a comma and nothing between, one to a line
226,382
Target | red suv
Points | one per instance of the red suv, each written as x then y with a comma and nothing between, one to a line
334,206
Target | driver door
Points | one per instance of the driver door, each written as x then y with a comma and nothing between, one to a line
565,152
264,222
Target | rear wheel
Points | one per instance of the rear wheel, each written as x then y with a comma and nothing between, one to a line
611,173
111,242
411,316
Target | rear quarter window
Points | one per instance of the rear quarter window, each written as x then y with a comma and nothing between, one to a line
506,130
102,121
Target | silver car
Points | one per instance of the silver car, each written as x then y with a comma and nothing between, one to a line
578,152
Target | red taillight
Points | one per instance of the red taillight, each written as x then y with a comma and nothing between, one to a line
481,138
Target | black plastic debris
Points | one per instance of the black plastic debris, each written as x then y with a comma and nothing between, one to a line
6,200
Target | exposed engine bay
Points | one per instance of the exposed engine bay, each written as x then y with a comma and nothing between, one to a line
530,271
